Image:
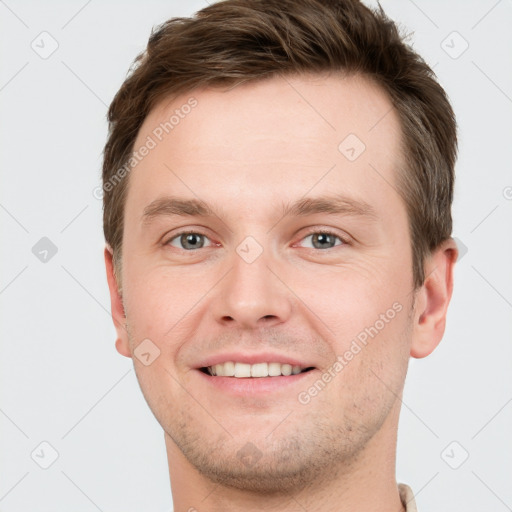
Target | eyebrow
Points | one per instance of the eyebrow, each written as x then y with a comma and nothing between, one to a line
335,205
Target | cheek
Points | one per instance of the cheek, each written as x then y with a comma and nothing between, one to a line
366,314
348,300
374,353
158,299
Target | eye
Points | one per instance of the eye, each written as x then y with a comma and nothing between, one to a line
324,240
189,240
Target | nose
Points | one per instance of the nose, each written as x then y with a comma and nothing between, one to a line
252,295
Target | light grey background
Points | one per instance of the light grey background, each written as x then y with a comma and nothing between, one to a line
63,383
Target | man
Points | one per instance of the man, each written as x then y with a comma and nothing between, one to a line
278,182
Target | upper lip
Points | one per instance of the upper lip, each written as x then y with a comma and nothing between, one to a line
252,358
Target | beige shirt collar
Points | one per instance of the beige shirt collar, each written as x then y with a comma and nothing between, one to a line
407,498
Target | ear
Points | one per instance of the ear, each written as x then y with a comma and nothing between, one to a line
432,299
116,305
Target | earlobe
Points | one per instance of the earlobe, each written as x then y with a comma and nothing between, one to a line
116,305
122,347
433,299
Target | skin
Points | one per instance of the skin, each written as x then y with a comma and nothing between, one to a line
246,151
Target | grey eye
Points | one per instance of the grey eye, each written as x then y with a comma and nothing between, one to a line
188,241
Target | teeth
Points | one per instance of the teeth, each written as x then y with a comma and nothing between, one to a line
244,370
229,369
259,370
286,369
274,369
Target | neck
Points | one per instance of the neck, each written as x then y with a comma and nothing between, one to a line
367,483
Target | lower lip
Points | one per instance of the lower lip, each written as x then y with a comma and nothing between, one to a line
253,385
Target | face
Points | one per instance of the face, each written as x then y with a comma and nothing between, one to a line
264,234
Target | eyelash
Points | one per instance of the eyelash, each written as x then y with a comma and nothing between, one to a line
343,240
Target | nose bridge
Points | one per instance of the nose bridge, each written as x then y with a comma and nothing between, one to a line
251,295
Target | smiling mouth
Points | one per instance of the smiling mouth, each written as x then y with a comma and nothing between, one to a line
257,370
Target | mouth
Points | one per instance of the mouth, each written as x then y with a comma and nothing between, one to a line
239,370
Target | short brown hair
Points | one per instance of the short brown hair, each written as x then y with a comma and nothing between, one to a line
235,41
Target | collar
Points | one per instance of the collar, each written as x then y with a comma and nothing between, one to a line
407,498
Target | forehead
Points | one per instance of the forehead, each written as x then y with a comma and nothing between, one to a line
280,135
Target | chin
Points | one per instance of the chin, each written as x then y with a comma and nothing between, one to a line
271,467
